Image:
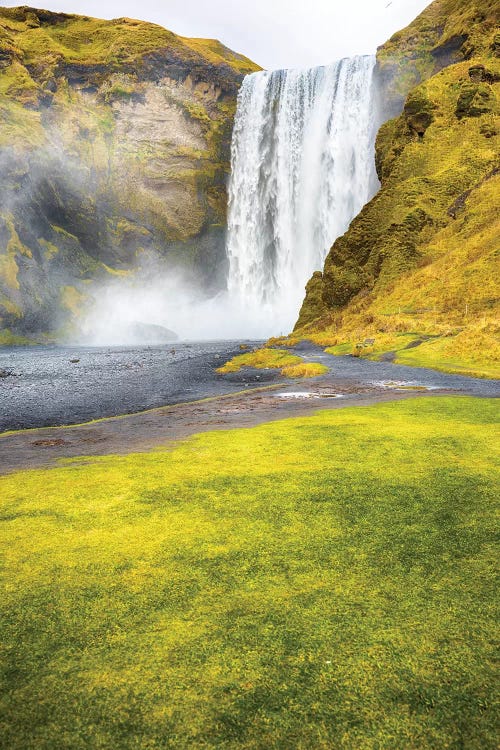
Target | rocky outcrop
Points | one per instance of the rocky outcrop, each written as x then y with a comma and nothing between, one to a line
447,32
114,149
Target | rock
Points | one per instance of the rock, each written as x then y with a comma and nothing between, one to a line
418,113
475,99
495,45
142,123
479,74
147,333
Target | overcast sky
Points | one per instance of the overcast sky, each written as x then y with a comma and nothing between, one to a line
274,33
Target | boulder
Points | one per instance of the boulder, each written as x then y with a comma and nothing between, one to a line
147,333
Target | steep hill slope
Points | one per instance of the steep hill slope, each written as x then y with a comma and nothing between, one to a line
418,267
114,147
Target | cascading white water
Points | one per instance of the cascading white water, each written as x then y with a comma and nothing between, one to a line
302,168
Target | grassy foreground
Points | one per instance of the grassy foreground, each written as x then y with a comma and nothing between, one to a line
325,582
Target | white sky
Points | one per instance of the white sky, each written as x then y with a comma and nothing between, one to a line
273,33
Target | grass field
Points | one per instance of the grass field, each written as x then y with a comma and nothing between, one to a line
318,583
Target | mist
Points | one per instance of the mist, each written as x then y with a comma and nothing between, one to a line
80,280
119,312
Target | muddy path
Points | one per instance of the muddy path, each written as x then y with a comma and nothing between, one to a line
157,428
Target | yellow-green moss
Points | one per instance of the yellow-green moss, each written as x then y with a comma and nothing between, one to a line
14,244
51,250
473,351
72,299
8,306
116,271
197,112
420,258
261,359
316,583
291,365
21,127
304,370
9,271
8,338
91,41
216,52
444,33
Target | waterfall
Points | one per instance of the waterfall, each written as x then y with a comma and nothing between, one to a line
302,166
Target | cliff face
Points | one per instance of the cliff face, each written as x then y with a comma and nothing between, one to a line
420,257
114,147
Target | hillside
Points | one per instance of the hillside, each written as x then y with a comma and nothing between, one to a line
415,278
114,149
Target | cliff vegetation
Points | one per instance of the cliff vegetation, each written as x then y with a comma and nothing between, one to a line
415,278
114,152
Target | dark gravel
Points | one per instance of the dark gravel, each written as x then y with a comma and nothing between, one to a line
48,386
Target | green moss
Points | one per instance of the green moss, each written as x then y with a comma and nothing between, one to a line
119,91
304,370
8,338
313,583
426,244
339,349
314,297
51,250
261,359
475,100
197,112
89,41
72,299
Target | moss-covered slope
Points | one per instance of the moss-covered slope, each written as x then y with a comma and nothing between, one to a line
114,146
420,259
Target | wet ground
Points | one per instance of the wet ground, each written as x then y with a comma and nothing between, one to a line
42,386
113,379
49,386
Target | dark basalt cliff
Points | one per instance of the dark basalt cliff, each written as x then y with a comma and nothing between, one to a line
114,148
421,256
